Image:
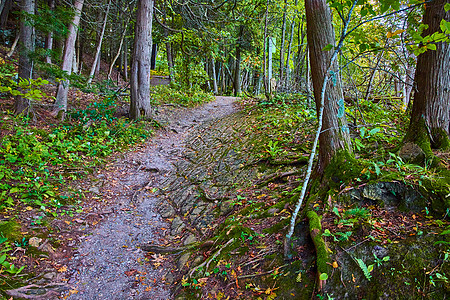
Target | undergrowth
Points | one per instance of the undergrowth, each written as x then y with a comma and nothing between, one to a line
164,94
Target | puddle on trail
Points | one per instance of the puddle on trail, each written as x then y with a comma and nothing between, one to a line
108,263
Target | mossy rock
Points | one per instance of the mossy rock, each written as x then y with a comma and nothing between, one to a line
387,194
406,275
10,230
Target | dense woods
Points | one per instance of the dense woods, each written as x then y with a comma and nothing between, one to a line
326,61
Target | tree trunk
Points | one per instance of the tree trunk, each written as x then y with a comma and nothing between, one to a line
69,49
4,13
430,116
125,60
283,42
21,104
99,46
140,68
14,45
119,51
335,133
49,37
237,69
213,66
288,58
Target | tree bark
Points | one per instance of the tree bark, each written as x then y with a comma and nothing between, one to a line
430,116
119,51
283,42
99,46
140,68
320,33
237,69
21,104
213,67
49,37
14,45
69,49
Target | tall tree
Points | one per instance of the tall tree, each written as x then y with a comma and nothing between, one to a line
99,45
430,116
49,37
67,64
140,67
320,33
27,36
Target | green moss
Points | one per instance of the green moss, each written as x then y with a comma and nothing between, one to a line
277,227
343,168
315,228
440,139
438,189
418,134
10,230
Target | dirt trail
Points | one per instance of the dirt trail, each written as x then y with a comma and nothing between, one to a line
108,263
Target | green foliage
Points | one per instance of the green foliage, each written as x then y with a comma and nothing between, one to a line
366,269
189,74
163,94
273,148
32,161
27,88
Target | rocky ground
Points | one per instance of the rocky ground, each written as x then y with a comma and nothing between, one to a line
108,263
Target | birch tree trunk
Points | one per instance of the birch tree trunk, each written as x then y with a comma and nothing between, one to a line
213,66
99,46
140,68
49,37
69,49
119,51
335,133
21,104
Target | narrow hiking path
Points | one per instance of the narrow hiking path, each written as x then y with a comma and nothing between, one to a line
108,263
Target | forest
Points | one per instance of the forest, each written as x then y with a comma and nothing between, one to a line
224,149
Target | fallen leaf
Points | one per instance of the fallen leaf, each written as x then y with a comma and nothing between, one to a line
62,269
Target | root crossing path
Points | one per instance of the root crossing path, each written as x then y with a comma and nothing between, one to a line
108,263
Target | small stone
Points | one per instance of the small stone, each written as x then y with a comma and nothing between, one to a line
226,207
167,211
273,211
183,260
177,226
48,248
95,190
411,152
190,239
35,241
50,275
197,261
170,279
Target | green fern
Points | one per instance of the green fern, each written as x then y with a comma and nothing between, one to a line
366,269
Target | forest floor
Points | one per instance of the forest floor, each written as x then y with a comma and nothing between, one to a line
108,263
200,210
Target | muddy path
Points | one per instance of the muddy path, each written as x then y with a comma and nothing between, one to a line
108,263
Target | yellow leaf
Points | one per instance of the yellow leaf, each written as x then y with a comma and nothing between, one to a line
392,34
28,208
335,264
62,269
299,277
67,222
268,291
